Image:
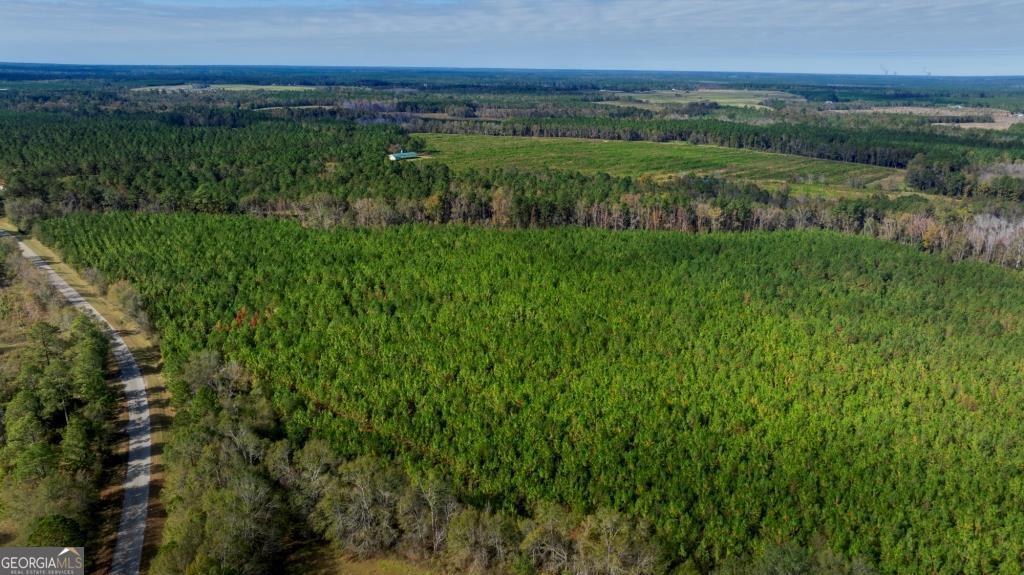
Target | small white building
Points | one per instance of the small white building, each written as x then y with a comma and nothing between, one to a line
403,155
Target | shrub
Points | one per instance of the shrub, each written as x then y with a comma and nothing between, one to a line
8,251
373,212
424,515
480,541
25,212
611,544
96,278
547,538
358,509
56,531
131,303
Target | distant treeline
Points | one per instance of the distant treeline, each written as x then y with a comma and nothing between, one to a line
835,87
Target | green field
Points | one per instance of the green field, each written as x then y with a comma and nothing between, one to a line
261,87
746,98
621,158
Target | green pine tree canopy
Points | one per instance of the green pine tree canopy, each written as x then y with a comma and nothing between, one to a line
734,390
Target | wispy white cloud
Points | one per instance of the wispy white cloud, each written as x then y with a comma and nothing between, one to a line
951,36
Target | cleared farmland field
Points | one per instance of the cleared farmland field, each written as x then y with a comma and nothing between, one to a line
225,87
262,87
637,158
748,98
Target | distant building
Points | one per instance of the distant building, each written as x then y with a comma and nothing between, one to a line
403,155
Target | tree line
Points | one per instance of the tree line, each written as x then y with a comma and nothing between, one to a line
57,412
52,163
58,164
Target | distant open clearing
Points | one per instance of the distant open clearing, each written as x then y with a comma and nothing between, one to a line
260,87
638,158
310,107
748,98
1002,119
225,87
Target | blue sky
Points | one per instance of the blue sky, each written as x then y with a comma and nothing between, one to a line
955,37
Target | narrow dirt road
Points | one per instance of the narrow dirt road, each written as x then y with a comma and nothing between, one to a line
132,527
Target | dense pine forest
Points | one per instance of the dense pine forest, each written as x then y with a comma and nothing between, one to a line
730,391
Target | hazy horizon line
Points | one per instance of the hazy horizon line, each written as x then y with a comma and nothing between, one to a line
503,68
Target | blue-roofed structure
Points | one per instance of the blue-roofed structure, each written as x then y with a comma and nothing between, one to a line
403,155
